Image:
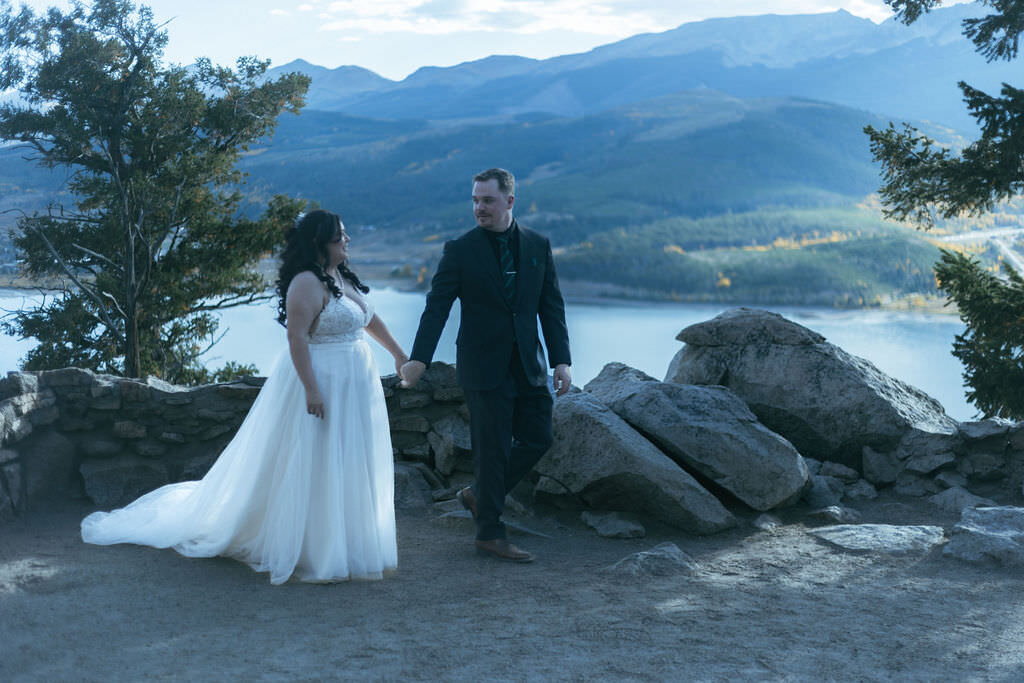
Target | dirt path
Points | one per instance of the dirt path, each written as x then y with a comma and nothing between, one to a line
761,606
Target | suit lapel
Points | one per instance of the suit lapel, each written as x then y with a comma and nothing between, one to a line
484,255
525,269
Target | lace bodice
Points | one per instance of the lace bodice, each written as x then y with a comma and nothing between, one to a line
342,320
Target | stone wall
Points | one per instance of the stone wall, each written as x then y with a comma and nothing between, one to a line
754,406
72,433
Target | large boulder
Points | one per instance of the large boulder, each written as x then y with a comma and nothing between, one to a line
708,430
827,402
599,459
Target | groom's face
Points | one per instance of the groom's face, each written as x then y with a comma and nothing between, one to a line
491,207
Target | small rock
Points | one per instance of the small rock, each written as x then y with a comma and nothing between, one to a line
767,523
909,484
983,466
410,423
823,491
835,513
984,429
419,452
447,505
813,465
150,449
845,474
665,559
880,468
172,437
411,490
613,524
860,490
882,538
413,399
992,533
955,499
950,479
449,394
929,462
445,494
450,441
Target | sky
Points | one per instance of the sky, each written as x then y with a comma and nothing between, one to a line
395,37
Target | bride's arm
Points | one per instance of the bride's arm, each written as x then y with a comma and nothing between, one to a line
305,301
379,331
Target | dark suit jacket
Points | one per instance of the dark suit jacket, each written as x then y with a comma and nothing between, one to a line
490,326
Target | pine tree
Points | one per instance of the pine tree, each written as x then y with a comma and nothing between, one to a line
159,235
923,181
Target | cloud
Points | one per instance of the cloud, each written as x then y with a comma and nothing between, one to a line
611,18
440,17
279,12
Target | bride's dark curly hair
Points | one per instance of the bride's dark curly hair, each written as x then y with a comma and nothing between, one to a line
306,249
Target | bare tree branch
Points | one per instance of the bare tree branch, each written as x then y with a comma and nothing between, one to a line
70,273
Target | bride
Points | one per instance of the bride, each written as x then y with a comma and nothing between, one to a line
306,486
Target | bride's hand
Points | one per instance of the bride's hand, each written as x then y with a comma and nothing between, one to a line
315,404
400,360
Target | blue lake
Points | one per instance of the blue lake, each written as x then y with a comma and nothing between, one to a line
914,347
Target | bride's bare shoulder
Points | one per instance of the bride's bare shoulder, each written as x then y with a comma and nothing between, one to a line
305,281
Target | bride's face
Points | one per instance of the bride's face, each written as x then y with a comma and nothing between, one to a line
337,248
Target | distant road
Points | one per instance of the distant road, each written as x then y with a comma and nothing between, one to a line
981,235
1000,237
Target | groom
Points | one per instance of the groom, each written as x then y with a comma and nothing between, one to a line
504,278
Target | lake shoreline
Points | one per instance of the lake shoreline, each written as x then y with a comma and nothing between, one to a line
584,294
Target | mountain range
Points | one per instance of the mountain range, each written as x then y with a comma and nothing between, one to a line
722,160
890,69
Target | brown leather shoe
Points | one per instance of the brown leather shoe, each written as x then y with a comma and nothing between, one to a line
468,500
503,550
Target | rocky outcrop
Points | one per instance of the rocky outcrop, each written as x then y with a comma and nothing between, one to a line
709,431
830,404
599,459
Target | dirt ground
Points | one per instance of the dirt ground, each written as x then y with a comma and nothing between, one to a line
760,606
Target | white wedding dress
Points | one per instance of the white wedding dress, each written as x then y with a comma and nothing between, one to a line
291,494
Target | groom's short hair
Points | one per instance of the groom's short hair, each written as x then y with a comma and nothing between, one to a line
506,181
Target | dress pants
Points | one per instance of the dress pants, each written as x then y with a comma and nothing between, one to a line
510,428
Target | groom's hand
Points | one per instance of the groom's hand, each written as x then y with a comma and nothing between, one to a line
562,379
411,373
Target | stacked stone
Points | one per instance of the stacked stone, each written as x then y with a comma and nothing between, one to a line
71,432
430,423
68,430
24,407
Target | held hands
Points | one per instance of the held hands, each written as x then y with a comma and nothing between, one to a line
400,360
562,379
314,403
410,372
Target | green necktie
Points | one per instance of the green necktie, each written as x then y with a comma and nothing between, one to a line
508,264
